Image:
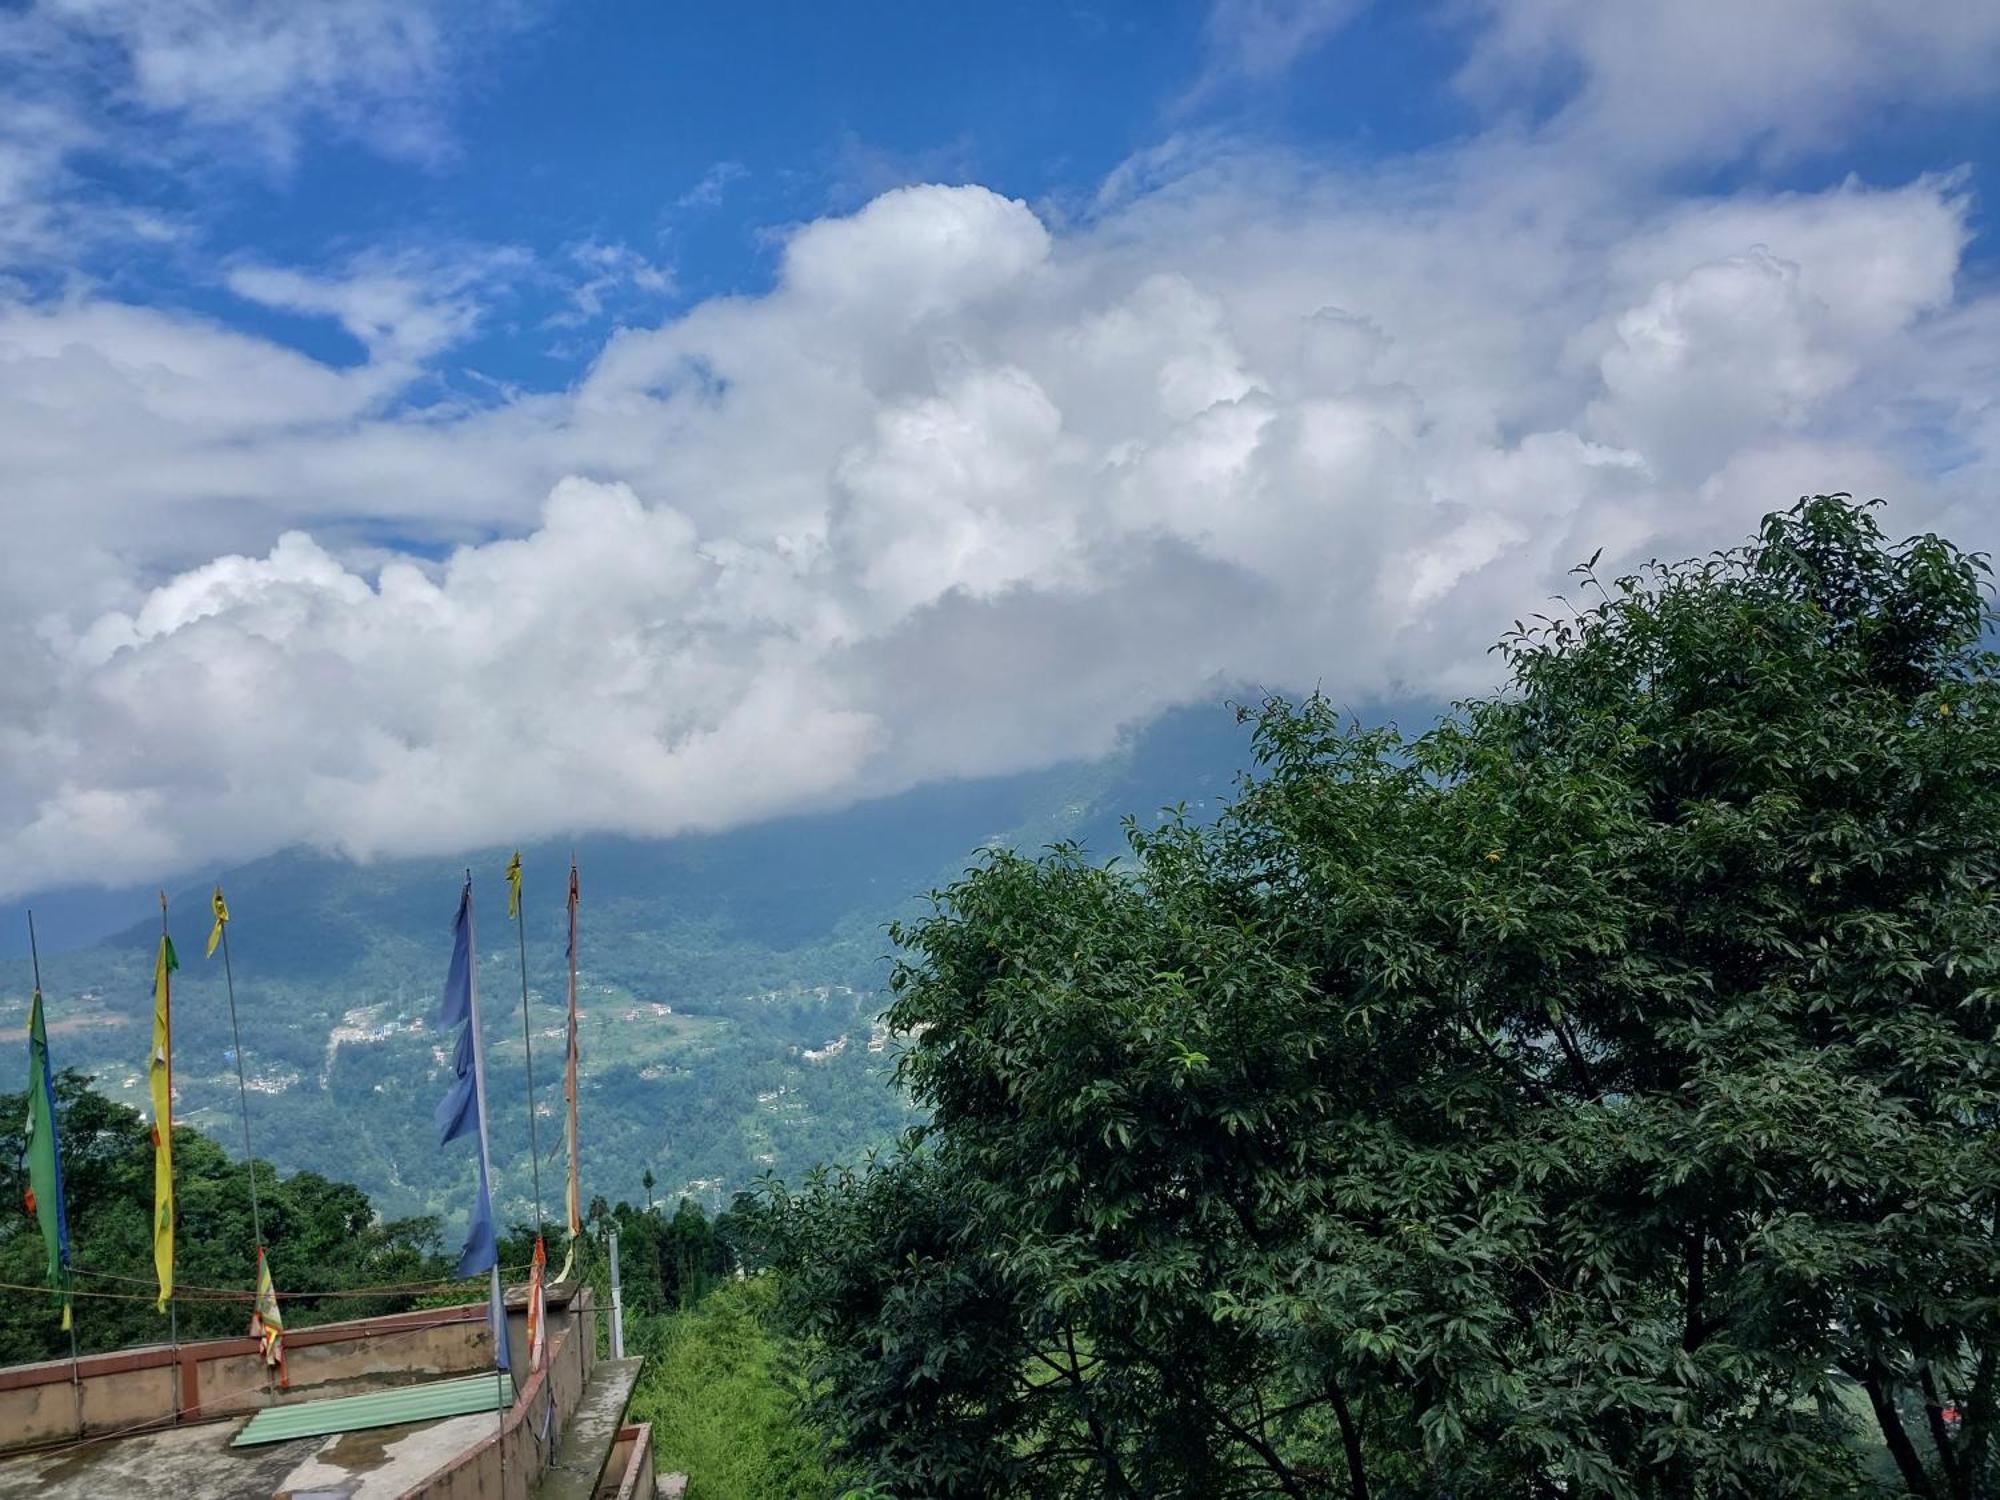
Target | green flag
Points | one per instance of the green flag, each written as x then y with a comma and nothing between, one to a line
45,1185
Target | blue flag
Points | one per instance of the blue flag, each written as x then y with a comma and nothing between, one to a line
44,1156
462,1109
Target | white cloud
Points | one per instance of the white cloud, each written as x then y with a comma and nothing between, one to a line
401,309
961,492
1256,40
608,277
708,191
958,494
373,69
1663,82
187,91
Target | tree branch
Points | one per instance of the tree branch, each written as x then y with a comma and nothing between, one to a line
1350,1439
1696,1328
1908,1464
1947,1451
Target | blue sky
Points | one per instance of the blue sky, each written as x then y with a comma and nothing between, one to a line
693,135
436,424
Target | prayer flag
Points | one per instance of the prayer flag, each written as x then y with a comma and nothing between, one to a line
44,1154
221,916
514,886
267,1324
160,1082
464,1108
537,1315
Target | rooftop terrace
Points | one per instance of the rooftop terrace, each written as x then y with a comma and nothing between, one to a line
167,1417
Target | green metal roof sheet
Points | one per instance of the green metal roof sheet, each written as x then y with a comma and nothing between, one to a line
390,1408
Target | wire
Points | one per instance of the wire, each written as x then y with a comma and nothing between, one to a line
195,1292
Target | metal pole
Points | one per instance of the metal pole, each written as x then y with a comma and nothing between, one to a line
69,1278
502,1357
617,1302
166,1129
243,1107
528,1051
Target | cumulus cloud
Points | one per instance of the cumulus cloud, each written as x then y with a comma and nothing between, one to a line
961,492
957,495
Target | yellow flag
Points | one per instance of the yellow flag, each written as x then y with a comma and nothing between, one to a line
267,1324
160,1080
514,885
221,916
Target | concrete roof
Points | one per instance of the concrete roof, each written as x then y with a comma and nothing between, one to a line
197,1461
183,1461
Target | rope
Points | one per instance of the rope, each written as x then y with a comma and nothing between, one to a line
188,1292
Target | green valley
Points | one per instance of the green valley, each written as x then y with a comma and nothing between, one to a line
729,988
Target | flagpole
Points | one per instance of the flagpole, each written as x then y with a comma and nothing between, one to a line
165,1127
572,1191
527,1041
242,1087
69,1314
501,1358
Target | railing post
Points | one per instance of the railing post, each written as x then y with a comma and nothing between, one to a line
617,1303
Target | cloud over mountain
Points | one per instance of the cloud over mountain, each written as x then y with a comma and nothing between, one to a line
968,487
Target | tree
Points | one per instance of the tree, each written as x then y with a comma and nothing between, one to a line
322,1237
1593,1095
646,1181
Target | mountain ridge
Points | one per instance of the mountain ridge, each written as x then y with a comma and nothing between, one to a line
729,983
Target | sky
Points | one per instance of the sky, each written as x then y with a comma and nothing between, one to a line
427,425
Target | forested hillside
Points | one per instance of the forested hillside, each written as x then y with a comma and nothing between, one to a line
730,985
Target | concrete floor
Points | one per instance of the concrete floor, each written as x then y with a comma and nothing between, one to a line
382,1462
197,1463
181,1462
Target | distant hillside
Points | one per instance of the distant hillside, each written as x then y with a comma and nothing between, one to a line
730,984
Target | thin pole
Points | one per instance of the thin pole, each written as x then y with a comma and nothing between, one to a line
572,1189
167,1127
68,1277
617,1300
243,1105
528,1049
242,1090
501,1356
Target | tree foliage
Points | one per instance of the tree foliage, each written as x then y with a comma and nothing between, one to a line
321,1236
1592,1095
721,1389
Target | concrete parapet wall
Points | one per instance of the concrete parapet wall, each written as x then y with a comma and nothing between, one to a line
509,1464
631,1467
131,1389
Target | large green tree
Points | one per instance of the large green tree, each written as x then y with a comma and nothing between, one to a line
1594,1095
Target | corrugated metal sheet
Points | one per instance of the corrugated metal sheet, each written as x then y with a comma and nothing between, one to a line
391,1408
